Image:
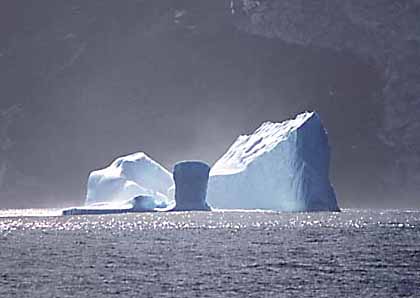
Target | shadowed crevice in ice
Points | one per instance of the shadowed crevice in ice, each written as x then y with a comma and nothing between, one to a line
281,166
191,180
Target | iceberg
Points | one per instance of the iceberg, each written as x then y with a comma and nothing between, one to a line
129,177
138,204
191,180
281,166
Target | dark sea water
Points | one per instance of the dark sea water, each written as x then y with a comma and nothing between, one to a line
355,253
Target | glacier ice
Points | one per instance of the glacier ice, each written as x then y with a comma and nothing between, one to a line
191,180
129,177
281,166
140,203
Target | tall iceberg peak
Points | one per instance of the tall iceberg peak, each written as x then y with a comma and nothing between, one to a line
128,177
281,166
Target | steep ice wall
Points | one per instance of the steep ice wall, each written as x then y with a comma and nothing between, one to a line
281,166
191,181
128,177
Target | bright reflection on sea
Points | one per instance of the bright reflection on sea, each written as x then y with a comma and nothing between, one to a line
235,253
49,220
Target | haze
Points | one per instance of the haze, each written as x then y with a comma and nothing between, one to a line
84,82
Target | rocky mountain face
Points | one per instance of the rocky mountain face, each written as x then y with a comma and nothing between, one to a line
384,31
98,79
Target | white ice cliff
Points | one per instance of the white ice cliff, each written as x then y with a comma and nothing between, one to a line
129,177
281,166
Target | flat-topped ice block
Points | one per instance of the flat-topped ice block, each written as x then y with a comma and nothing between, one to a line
191,180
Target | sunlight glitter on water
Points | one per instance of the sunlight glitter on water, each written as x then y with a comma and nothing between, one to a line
354,253
33,212
50,220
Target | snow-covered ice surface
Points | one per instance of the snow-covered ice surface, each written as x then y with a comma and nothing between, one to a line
281,166
128,177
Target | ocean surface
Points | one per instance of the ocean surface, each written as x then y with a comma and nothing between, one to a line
355,253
